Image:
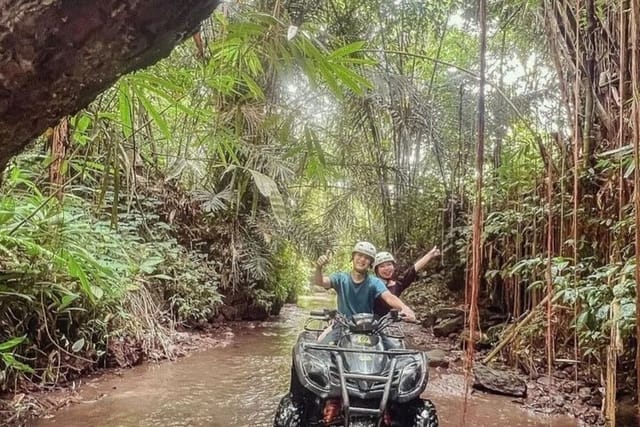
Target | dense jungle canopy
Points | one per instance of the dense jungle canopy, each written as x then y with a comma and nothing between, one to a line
202,187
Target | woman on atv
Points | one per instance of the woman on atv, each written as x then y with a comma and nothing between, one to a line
384,266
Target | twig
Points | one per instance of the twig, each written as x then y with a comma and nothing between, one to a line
46,328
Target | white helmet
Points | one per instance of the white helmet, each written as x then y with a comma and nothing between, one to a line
365,248
383,257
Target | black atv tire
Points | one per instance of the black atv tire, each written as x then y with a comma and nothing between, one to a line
288,413
425,415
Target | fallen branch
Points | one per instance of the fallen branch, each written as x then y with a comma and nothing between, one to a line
514,332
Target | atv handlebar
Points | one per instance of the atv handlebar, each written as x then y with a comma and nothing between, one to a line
324,313
406,319
385,321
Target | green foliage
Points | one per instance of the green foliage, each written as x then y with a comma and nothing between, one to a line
66,276
594,290
11,364
42,242
599,289
593,287
291,274
189,283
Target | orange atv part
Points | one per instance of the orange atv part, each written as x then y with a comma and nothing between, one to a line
332,409
386,418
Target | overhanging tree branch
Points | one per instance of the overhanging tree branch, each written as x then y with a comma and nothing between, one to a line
57,56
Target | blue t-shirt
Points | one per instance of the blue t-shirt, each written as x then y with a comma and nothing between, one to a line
356,298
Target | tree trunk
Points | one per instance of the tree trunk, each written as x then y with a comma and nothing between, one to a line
56,56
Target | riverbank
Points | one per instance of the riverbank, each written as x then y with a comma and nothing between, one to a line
32,401
240,384
266,346
559,395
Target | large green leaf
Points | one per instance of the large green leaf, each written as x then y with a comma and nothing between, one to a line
12,362
125,108
269,189
76,270
153,112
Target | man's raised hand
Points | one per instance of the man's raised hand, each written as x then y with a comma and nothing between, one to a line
324,259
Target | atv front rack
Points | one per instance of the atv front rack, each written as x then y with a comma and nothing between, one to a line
381,379
392,331
336,349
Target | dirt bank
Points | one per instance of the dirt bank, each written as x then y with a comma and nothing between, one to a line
560,394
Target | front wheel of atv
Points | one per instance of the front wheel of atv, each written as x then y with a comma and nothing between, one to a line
288,413
425,415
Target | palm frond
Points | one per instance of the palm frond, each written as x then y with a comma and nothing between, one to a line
214,202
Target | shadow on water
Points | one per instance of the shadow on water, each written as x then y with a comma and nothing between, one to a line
241,384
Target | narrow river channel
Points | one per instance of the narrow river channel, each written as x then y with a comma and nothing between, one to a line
239,385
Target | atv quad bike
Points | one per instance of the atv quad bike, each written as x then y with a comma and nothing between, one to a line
357,381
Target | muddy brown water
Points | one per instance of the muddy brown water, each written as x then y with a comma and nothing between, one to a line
240,385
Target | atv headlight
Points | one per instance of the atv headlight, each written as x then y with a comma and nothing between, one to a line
410,379
317,371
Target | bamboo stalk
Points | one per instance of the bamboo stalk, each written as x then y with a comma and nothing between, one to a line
576,182
517,302
612,348
552,35
610,387
549,296
635,74
611,368
59,141
587,145
477,211
514,331
534,252
562,192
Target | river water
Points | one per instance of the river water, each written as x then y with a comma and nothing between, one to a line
240,385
